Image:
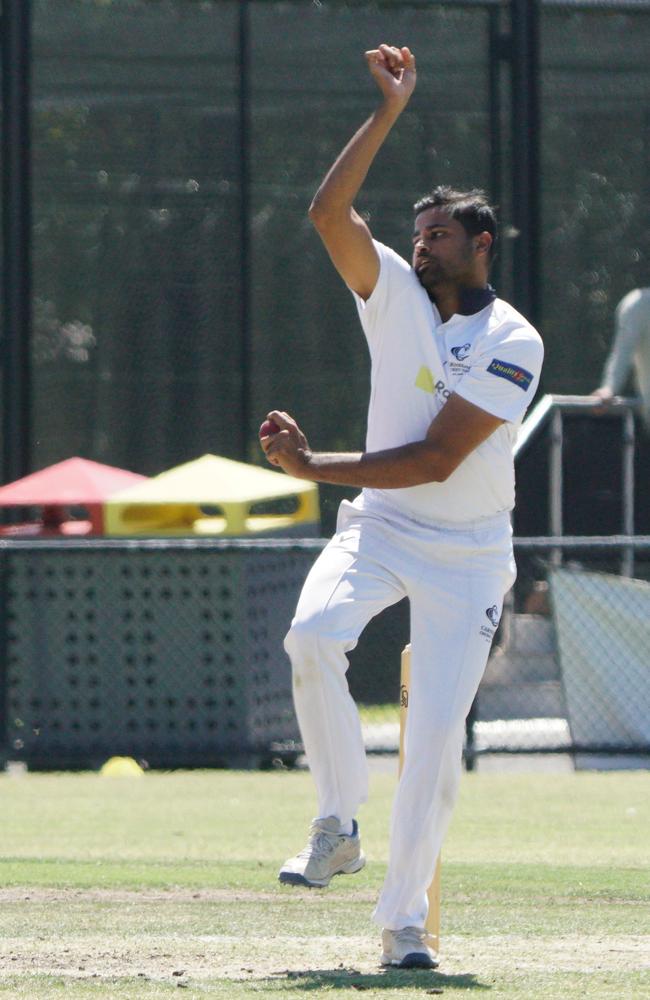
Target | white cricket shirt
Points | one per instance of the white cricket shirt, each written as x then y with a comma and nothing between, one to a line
491,358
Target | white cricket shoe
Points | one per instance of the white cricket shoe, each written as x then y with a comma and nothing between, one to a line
328,852
407,949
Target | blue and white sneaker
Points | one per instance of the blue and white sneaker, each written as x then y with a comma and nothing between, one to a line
407,949
328,852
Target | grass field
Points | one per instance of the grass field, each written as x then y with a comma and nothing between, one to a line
137,888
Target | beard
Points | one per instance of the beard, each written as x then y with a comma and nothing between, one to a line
432,273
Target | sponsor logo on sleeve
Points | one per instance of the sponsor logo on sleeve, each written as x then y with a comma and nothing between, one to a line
514,374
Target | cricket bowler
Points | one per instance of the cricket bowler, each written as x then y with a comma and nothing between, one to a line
453,369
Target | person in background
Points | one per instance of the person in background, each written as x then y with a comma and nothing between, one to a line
630,350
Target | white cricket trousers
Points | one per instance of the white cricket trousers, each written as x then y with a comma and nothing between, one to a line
455,579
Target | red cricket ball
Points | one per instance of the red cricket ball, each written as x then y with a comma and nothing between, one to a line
269,427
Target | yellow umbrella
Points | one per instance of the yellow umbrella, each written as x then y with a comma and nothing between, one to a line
213,495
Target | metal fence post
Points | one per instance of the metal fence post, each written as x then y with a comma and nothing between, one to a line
627,561
16,267
524,16
556,482
244,110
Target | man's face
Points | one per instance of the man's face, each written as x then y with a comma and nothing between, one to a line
443,253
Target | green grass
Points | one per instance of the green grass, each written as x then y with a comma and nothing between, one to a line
375,714
110,886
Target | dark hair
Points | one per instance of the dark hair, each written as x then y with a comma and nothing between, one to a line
471,208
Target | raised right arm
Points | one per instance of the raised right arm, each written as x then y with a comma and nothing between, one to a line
344,233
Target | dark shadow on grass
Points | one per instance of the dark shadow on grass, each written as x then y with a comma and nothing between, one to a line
388,979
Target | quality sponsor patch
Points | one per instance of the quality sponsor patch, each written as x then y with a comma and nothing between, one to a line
514,374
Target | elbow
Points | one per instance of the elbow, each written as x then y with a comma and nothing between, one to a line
318,213
325,213
440,466
419,477
447,466
442,472
430,472
320,218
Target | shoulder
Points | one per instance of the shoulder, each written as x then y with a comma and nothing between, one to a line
636,301
391,261
505,363
396,278
396,286
506,325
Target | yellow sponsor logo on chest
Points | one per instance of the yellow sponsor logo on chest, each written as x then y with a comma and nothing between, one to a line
425,381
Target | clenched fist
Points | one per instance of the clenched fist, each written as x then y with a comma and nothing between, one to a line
287,446
393,70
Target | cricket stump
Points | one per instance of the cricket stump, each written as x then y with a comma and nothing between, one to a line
432,925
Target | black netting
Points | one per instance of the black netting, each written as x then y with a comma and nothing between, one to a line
136,236
142,186
309,356
595,160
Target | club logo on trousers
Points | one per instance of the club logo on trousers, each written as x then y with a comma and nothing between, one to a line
493,614
487,631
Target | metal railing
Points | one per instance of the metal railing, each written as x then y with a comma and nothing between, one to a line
551,410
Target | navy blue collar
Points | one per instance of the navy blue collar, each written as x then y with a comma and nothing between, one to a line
472,300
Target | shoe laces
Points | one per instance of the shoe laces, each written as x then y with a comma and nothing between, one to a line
321,842
407,936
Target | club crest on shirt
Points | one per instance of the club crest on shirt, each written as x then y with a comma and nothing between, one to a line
518,376
462,352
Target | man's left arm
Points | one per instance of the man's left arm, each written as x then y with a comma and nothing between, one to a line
453,434
499,386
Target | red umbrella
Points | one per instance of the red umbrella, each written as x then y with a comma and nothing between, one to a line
76,482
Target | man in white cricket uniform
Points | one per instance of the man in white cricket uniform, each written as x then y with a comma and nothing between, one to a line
630,350
453,369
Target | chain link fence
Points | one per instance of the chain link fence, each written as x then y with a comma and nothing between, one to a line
171,652
570,666
167,652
